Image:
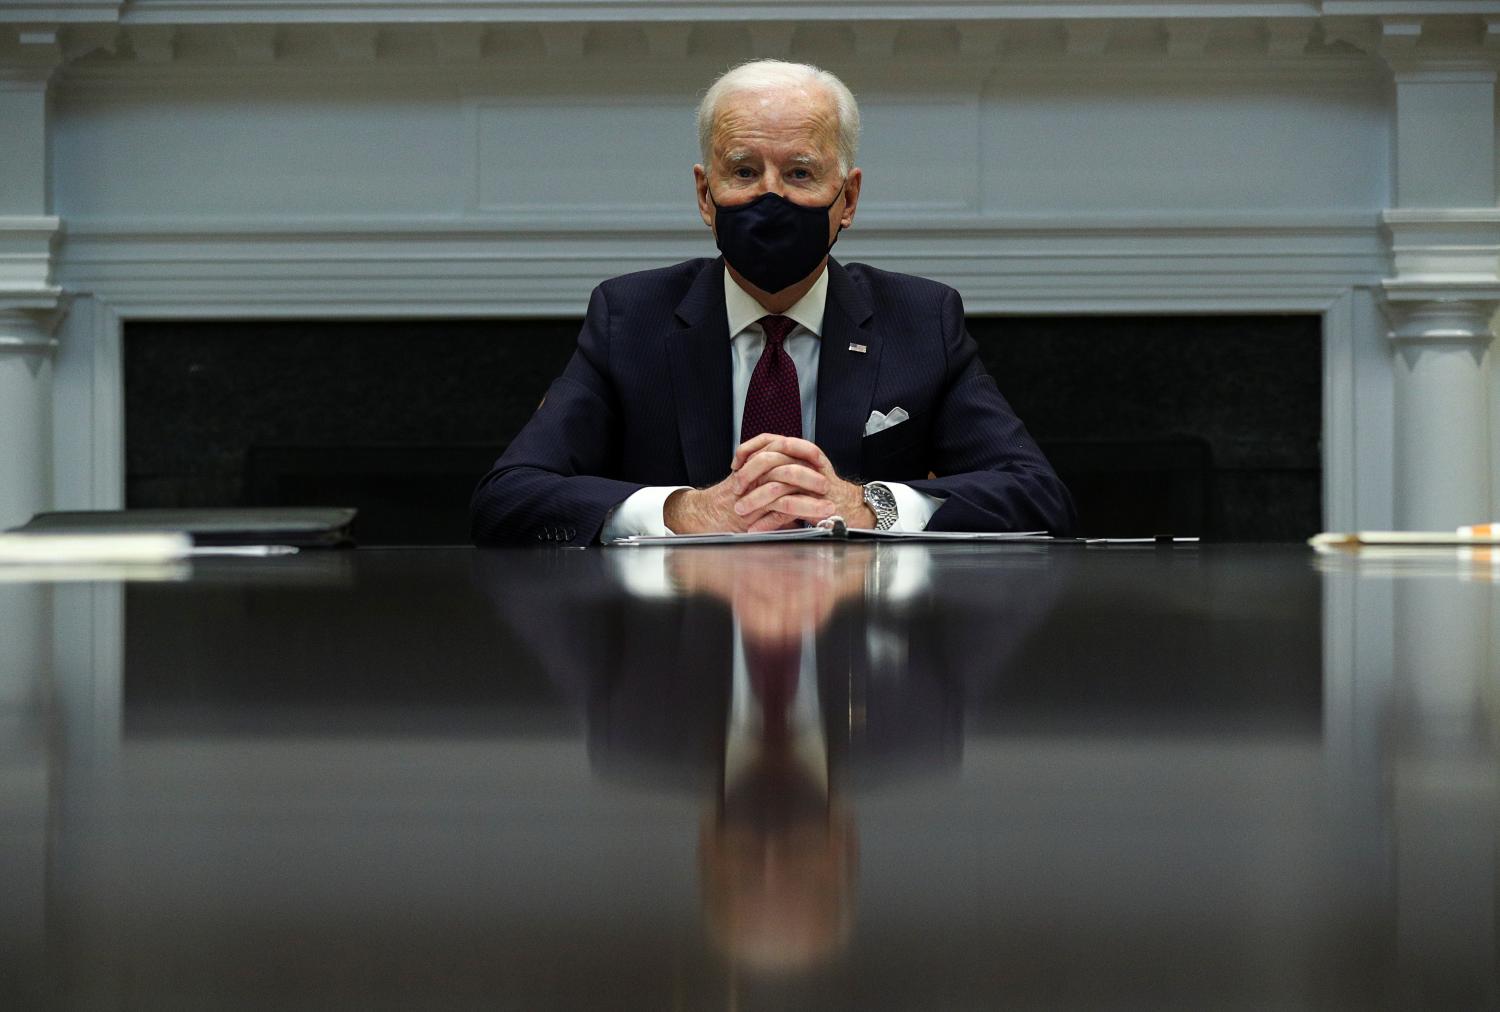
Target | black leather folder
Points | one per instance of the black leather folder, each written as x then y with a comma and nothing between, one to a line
303,526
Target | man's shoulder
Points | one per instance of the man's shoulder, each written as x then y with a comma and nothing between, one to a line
879,283
657,284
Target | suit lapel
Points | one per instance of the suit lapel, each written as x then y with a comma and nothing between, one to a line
846,379
698,354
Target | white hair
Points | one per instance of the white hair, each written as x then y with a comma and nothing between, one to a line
758,75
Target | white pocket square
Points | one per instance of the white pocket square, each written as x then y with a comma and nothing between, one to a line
879,422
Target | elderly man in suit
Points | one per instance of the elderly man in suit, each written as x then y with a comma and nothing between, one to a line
772,386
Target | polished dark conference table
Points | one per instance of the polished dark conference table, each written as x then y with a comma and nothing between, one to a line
811,776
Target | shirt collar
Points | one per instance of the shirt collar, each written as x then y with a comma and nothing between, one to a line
743,310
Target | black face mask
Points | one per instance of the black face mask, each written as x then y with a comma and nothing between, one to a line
771,241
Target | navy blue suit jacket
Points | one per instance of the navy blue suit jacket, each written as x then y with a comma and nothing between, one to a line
646,400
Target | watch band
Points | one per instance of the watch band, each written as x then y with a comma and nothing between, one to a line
882,502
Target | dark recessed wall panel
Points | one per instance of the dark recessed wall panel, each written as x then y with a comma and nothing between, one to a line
1205,426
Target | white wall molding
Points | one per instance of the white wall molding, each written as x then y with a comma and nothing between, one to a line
1017,266
267,31
249,11
1445,247
1335,73
27,246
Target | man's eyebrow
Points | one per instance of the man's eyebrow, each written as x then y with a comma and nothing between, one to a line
737,155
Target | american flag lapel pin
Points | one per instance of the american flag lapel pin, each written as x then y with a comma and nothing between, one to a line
858,349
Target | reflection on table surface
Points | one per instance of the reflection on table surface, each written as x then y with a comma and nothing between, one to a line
809,775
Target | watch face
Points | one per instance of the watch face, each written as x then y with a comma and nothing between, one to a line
882,503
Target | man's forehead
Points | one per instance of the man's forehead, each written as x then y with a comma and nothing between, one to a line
804,118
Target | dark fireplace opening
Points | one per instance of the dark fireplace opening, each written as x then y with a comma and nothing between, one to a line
1205,426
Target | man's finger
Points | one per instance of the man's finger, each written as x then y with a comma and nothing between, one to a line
751,446
789,445
755,469
771,521
764,467
762,496
800,476
793,507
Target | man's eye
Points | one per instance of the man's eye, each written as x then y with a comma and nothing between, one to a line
744,172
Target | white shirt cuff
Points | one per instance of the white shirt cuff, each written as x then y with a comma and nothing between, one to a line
643,512
913,508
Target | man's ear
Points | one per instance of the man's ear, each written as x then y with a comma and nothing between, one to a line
851,196
705,206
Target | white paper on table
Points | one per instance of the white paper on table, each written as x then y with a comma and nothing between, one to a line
865,533
790,534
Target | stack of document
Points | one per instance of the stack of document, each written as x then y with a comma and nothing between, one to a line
70,549
49,558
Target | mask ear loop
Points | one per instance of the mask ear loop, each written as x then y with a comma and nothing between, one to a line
842,187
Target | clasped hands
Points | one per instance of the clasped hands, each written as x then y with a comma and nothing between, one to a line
774,481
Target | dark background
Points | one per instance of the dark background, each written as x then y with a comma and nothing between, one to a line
1202,426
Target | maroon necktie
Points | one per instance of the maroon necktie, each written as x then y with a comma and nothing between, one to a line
773,671
773,403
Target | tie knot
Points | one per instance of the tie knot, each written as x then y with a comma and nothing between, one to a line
776,328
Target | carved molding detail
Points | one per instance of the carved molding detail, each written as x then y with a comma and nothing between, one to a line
27,249
1465,321
282,35
28,331
1438,249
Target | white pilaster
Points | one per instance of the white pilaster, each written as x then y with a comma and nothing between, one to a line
1442,443
26,348
1445,243
29,301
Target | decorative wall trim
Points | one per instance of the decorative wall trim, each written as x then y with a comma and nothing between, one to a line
455,36
474,270
1448,321
1453,247
13,343
250,11
27,245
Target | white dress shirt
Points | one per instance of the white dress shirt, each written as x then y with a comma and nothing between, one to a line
643,511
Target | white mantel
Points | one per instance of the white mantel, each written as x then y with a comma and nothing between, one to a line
348,158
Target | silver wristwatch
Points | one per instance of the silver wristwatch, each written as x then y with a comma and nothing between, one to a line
882,502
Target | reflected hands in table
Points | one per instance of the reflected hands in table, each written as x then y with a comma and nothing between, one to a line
776,591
